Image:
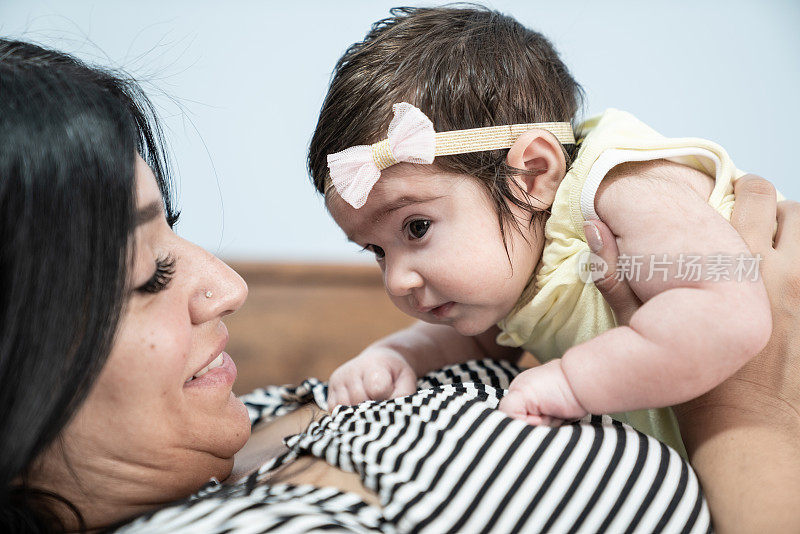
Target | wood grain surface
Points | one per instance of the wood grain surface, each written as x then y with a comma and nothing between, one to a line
303,320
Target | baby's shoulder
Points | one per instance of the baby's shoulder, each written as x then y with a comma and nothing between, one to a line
644,174
652,182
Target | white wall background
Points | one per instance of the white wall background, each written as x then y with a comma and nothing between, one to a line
239,85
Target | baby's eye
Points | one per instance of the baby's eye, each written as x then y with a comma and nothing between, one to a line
378,251
418,228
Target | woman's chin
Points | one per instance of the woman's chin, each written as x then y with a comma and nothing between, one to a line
239,425
222,434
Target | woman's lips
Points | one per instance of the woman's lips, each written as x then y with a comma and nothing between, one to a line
224,375
443,310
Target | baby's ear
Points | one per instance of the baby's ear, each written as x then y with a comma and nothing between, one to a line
540,152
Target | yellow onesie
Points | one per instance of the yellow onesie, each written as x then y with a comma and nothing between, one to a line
559,310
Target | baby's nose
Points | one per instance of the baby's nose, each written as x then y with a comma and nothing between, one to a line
400,280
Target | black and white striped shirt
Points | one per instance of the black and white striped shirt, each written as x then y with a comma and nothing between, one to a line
445,460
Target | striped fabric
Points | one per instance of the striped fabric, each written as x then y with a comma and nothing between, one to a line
445,460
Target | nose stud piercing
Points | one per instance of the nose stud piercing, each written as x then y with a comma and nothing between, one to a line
209,294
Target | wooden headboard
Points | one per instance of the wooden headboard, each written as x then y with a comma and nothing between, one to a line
304,320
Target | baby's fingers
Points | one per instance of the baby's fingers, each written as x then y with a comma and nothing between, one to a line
356,392
345,391
544,420
404,384
378,384
335,396
513,405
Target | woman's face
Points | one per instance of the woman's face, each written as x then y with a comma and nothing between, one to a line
146,419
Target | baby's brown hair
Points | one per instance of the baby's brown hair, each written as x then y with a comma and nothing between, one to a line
464,67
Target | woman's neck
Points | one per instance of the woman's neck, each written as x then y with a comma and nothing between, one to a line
266,440
108,490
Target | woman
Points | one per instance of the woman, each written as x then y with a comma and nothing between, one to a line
116,390
87,258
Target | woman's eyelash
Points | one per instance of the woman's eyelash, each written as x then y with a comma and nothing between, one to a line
165,269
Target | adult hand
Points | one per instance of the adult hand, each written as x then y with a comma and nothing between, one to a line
776,370
743,437
616,291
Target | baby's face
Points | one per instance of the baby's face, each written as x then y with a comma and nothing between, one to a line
436,237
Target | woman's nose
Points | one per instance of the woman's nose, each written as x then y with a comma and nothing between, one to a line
219,291
400,278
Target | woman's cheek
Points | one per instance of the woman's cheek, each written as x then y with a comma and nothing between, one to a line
170,351
151,358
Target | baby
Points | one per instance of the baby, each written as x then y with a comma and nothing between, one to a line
484,233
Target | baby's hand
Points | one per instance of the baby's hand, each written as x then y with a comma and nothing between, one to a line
542,396
375,374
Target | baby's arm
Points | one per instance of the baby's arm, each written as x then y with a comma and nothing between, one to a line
389,367
686,338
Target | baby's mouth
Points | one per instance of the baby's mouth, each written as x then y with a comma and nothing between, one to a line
443,309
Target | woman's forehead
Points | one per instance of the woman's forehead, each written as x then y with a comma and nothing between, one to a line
147,190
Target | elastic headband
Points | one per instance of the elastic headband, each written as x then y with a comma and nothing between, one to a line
411,138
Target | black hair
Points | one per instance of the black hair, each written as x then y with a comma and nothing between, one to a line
69,134
464,67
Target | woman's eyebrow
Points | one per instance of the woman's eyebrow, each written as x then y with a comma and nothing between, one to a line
148,213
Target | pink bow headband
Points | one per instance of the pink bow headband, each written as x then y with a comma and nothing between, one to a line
411,138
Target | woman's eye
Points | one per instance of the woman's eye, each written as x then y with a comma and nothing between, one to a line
378,251
418,228
165,269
